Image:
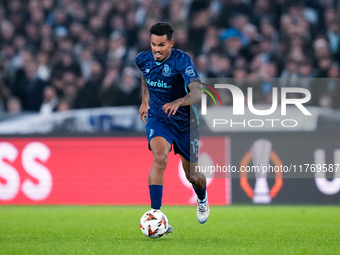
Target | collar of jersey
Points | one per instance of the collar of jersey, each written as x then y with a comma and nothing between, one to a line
159,63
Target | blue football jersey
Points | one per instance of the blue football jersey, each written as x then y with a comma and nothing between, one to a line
166,82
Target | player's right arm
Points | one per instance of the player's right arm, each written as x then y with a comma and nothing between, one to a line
144,107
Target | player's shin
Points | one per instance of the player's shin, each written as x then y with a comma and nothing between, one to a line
199,184
156,193
200,192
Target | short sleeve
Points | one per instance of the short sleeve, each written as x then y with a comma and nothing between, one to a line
187,69
139,59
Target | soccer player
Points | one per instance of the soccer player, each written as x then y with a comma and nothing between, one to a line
170,85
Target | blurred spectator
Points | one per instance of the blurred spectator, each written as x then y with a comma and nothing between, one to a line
199,23
143,42
125,92
117,46
65,63
202,62
308,74
88,95
250,32
7,32
44,67
29,87
4,94
232,43
129,91
333,35
50,100
268,31
211,41
86,58
290,75
109,88
63,105
181,39
13,105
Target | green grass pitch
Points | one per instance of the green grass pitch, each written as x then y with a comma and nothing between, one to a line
115,230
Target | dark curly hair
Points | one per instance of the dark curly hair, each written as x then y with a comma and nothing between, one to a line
162,28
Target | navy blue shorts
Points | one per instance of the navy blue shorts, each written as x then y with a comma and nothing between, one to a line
185,143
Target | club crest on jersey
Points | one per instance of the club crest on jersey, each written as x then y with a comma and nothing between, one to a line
190,71
166,70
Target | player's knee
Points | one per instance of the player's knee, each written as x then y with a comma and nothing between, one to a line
195,180
160,161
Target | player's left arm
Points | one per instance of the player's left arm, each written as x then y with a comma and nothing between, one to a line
194,96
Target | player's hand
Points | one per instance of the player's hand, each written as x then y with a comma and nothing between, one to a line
171,108
143,111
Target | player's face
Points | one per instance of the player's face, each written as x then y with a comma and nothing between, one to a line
161,47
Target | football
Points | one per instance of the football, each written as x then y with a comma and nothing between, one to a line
154,224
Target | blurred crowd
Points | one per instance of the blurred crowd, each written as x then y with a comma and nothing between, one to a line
57,55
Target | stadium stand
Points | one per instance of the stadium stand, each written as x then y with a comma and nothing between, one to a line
83,51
